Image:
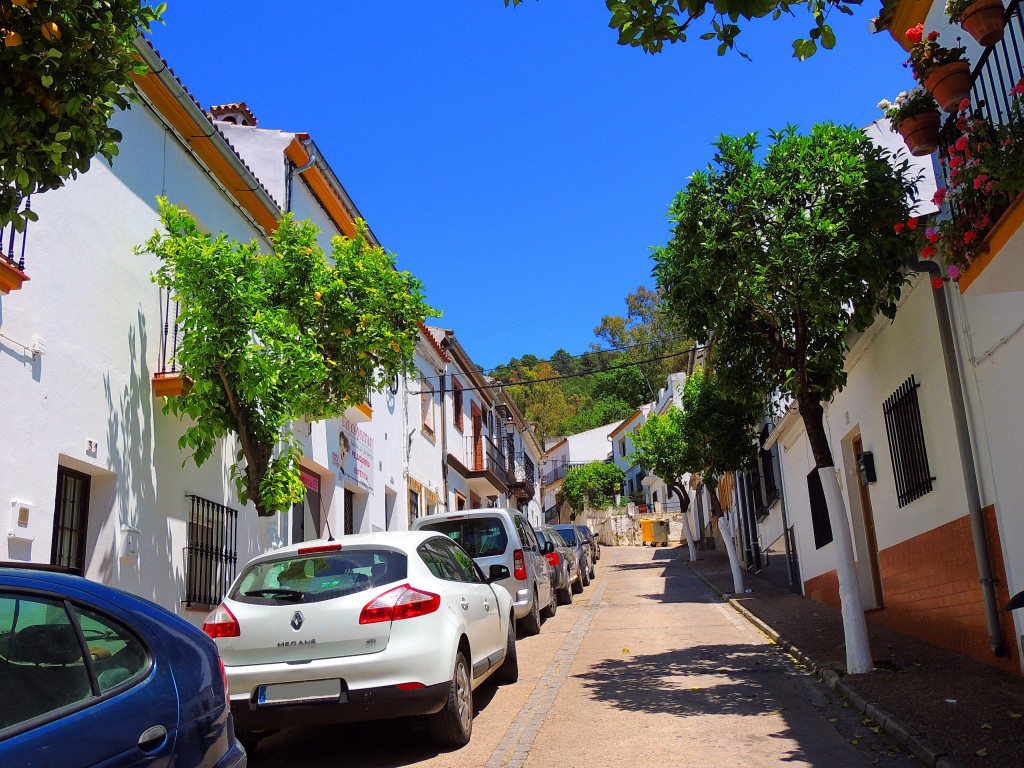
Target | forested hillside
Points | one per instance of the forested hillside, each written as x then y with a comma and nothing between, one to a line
625,367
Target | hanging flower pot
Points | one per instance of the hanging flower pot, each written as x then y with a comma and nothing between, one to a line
949,84
983,20
11,277
921,133
171,384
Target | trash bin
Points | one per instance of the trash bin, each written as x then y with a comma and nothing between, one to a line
646,531
659,533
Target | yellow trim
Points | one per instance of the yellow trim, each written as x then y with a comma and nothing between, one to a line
908,13
1001,233
203,147
323,190
365,409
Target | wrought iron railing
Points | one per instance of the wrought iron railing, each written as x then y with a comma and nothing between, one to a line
482,454
906,444
997,70
551,515
12,242
558,471
522,469
211,553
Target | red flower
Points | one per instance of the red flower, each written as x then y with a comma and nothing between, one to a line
933,36
914,34
979,180
936,283
970,236
940,196
1018,89
912,222
961,143
898,227
928,251
956,162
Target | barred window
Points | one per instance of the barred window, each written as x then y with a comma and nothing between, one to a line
212,552
906,444
767,466
819,510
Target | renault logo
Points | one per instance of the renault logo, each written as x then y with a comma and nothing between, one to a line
297,620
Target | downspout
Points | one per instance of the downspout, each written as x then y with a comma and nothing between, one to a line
966,451
444,444
787,539
310,148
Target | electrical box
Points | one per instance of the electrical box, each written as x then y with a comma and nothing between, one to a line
128,545
866,467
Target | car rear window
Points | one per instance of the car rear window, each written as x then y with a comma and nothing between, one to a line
316,577
569,534
480,536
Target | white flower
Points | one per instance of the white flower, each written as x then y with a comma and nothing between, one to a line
885,105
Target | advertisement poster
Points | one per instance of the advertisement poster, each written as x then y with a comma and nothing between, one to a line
352,457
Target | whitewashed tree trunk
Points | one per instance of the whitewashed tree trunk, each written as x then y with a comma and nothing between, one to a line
727,528
855,627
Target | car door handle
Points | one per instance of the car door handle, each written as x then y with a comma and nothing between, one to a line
465,604
152,738
487,605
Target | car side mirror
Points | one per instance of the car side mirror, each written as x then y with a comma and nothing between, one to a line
497,573
549,547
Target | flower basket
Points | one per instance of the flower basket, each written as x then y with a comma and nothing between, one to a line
983,20
171,384
921,133
949,84
11,277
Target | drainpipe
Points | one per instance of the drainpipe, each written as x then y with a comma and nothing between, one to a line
966,451
294,171
444,444
790,546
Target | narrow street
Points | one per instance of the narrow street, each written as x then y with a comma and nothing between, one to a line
646,668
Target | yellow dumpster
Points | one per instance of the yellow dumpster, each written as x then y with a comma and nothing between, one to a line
659,534
646,531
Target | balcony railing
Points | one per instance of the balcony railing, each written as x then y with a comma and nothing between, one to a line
559,471
482,454
171,334
12,253
521,469
997,70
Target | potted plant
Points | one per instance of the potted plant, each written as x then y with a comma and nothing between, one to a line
915,115
981,19
943,71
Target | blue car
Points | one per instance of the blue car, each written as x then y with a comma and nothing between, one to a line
91,675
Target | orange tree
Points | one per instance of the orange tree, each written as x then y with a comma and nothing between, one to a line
65,68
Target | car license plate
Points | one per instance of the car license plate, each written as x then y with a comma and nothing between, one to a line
309,691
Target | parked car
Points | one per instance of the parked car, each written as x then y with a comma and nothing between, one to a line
502,537
381,625
565,573
592,542
572,537
91,675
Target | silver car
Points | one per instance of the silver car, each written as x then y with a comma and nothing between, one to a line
503,537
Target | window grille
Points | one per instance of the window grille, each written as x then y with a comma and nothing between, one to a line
70,521
906,444
819,510
767,466
211,553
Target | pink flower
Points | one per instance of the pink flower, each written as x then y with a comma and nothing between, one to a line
953,271
979,180
914,34
936,283
990,186
961,143
965,105
1018,89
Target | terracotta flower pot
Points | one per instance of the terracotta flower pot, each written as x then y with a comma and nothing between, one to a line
11,277
949,84
983,20
171,384
921,133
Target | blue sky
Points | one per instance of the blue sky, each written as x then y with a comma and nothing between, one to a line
518,161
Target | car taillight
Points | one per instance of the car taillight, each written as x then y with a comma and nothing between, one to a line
553,559
519,565
320,548
220,622
223,675
402,602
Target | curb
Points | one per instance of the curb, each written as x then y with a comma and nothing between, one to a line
904,734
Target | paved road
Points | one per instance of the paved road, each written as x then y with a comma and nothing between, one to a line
646,668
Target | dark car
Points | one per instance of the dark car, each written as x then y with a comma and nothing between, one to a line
574,539
595,545
91,675
570,581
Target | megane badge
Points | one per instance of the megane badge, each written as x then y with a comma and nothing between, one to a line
297,620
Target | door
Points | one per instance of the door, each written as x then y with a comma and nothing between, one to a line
350,502
869,528
70,520
478,438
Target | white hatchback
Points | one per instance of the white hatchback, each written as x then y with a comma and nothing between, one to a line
370,627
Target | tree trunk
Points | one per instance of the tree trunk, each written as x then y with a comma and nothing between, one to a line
855,628
726,527
687,513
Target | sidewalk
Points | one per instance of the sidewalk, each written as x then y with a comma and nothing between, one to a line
946,709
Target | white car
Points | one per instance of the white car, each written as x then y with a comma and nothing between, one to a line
370,627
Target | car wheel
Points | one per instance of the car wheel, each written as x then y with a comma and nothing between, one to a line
508,672
552,606
593,572
565,594
530,623
585,575
251,739
453,725
577,586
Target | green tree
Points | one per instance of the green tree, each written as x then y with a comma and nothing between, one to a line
592,485
779,260
649,24
65,67
271,338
